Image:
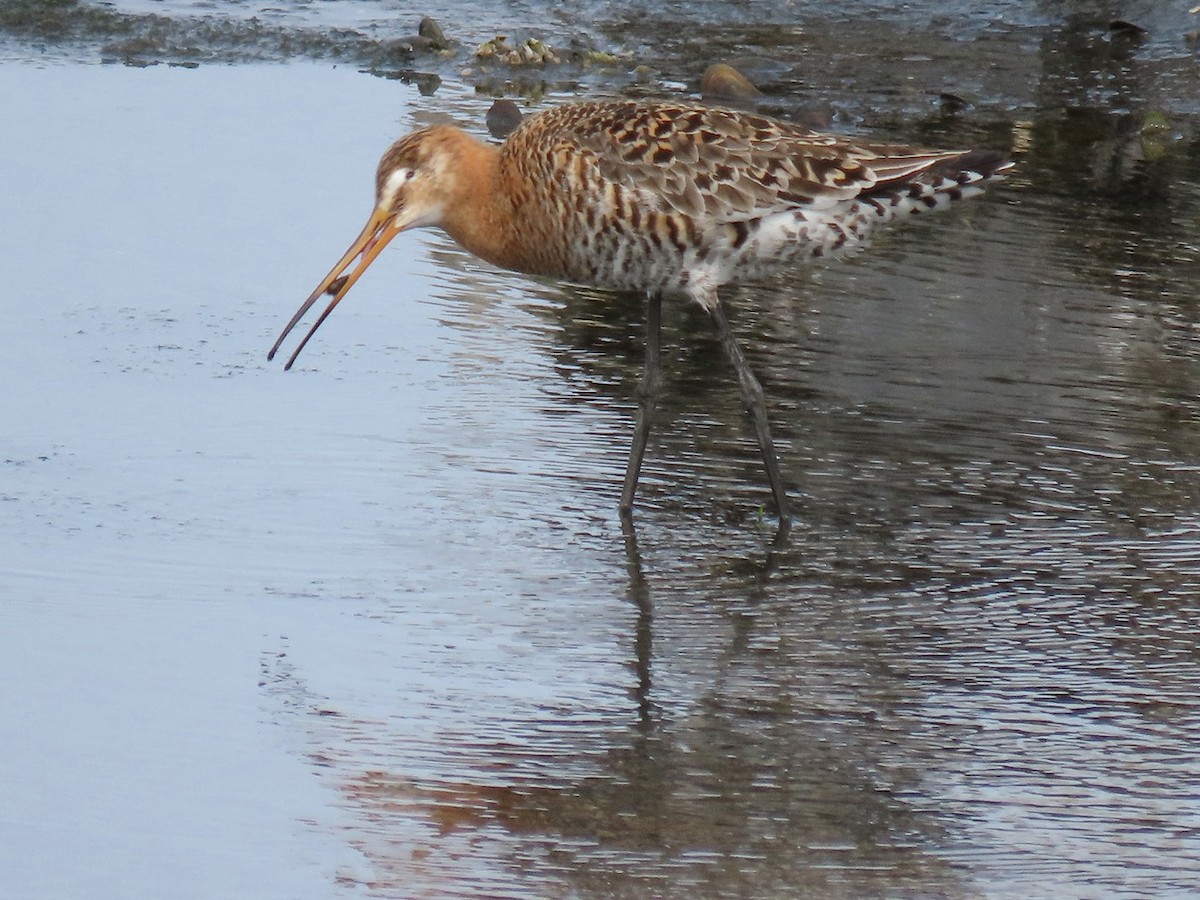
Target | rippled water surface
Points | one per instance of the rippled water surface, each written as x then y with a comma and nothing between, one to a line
372,627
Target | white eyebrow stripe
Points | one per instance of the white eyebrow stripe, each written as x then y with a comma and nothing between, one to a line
395,179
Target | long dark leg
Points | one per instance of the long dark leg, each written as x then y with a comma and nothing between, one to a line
755,402
647,397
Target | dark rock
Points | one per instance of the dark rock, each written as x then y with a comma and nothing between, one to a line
503,118
431,31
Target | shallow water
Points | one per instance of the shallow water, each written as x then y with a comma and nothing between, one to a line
372,627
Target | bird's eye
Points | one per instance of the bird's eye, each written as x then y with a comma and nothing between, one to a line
397,180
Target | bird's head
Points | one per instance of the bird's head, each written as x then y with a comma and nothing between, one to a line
413,181
413,184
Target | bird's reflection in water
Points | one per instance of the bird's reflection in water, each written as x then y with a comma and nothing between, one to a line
643,634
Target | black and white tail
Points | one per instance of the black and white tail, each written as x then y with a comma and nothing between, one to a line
847,227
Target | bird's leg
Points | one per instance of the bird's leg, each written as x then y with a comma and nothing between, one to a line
755,402
647,396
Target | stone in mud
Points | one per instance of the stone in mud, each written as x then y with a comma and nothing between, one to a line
503,117
431,31
723,82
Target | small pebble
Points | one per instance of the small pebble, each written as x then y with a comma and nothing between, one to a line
724,82
1121,26
432,32
502,118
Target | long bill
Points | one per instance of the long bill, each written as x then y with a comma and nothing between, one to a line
380,229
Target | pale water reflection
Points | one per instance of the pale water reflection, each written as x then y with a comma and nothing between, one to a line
397,572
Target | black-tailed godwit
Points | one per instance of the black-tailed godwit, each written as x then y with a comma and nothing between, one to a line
666,199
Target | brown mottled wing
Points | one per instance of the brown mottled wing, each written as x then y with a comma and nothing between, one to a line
718,164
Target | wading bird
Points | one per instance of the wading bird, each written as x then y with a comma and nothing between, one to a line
667,199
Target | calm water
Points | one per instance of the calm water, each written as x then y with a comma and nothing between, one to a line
372,628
